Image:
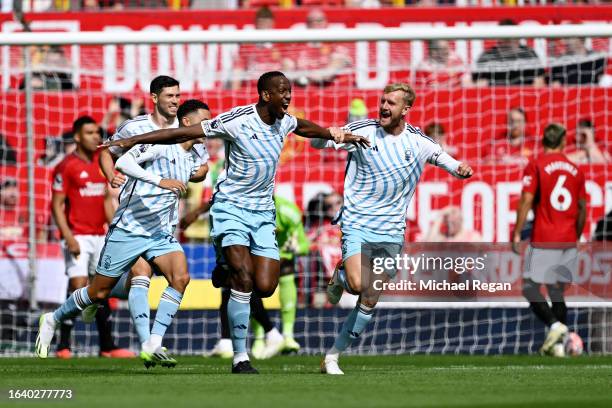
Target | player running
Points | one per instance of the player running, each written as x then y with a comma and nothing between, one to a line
555,188
81,206
242,214
143,226
379,184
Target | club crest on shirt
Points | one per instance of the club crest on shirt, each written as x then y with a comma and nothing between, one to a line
408,155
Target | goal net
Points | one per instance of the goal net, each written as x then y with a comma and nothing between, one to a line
485,99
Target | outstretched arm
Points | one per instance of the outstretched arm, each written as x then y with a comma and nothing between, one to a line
448,163
308,129
162,136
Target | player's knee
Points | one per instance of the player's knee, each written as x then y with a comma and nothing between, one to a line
266,289
241,282
354,282
180,282
141,268
530,289
99,295
556,292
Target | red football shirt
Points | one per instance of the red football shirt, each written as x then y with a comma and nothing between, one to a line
84,186
557,185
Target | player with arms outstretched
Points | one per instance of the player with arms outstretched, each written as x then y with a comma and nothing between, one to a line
143,226
378,186
242,214
555,188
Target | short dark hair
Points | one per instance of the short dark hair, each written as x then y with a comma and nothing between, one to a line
78,124
189,106
585,122
507,22
160,82
265,81
264,12
553,135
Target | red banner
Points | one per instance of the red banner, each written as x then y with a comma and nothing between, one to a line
204,67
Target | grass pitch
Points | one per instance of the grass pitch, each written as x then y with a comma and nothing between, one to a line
385,381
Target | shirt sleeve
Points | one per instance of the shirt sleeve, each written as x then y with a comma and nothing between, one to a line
129,163
434,154
530,178
202,153
225,126
123,132
291,123
59,180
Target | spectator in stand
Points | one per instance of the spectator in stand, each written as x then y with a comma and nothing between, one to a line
508,63
56,148
448,227
11,222
8,155
118,111
577,65
325,238
436,132
513,146
255,59
587,150
442,67
51,70
319,63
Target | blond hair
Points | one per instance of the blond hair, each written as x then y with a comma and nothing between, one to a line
409,95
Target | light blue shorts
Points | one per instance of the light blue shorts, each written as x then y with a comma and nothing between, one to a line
233,225
353,240
122,249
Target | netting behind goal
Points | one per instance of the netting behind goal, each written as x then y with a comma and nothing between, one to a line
485,110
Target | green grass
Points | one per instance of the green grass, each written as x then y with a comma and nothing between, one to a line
389,381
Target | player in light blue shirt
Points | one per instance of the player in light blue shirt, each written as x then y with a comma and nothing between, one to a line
379,184
143,226
242,214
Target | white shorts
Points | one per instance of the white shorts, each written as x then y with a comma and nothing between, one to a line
550,266
85,264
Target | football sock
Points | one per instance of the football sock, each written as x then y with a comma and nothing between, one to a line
168,306
238,313
78,301
288,301
138,300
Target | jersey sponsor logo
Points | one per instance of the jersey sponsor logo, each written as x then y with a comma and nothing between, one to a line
92,189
